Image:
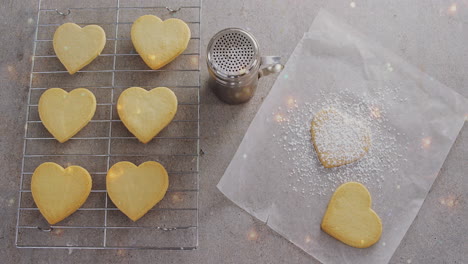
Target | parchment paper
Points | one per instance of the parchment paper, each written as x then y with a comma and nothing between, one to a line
414,120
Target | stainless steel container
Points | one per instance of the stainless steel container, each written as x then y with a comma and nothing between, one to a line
235,65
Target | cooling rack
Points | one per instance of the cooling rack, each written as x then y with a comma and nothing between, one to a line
173,223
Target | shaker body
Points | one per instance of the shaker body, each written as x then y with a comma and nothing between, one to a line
234,92
233,60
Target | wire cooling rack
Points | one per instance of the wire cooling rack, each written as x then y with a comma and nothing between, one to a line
173,223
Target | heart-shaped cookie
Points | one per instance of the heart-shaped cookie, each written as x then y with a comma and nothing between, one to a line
349,217
59,192
339,139
135,190
65,114
146,113
76,47
159,42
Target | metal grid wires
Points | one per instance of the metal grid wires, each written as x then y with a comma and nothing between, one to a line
172,223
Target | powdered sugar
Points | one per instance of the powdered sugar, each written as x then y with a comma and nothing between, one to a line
308,176
338,138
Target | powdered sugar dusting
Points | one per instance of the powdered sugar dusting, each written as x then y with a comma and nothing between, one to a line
307,175
338,138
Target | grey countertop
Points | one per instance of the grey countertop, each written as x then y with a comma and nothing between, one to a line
431,34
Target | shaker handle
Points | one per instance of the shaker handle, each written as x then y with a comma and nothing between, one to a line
272,65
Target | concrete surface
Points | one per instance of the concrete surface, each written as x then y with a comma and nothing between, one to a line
431,34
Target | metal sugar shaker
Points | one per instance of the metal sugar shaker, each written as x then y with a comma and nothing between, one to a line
235,65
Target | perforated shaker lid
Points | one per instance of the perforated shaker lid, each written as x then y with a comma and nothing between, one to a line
233,53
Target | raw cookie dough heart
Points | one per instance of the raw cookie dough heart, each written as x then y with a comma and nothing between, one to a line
146,113
76,47
159,42
135,190
349,217
59,192
65,114
338,138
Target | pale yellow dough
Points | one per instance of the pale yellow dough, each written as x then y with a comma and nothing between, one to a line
135,190
159,42
76,47
59,192
146,113
339,139
349,217
65,114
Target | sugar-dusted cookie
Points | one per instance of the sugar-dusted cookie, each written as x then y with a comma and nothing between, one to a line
339,139
159,42
146,113
76,47
135,190
349,217
59,192
65,114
